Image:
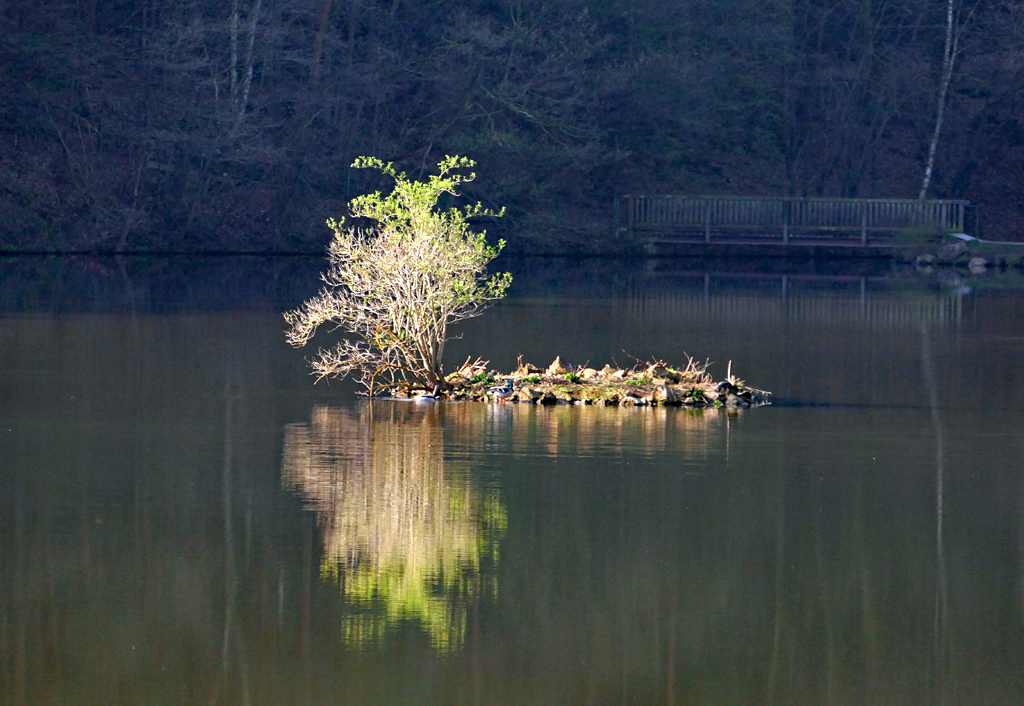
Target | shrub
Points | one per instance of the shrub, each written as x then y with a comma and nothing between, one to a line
400,283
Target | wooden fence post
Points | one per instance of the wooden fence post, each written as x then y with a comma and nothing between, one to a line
863,223
785,221
707,220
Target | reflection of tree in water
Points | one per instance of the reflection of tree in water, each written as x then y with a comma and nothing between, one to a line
406,538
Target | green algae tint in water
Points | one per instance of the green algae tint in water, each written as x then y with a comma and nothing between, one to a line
186,519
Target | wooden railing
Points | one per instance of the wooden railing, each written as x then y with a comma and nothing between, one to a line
787,217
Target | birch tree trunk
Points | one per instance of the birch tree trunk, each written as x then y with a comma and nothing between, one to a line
234,50
948,57
241,77
247,82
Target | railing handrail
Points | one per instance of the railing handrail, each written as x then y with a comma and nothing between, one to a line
792,198
788,214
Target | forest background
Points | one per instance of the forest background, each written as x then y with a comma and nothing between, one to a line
231,124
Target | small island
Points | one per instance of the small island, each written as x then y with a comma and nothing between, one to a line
650,384
398,284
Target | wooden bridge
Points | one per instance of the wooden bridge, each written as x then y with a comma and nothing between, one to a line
755,219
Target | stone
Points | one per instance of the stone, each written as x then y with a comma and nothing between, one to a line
951,251
977,265
528,394
924,260
620,374
527,369
589,374
657,370
565,395
548,398
557,367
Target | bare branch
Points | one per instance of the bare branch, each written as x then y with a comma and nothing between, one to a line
399,285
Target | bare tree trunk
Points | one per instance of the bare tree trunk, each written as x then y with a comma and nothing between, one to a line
318,46
247,83
240,89
234,49
90,21
948,56
353,13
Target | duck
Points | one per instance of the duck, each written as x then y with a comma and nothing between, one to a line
502,392
428,397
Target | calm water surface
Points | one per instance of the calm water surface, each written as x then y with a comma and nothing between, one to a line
186,519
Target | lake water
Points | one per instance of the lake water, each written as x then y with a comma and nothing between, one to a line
186,518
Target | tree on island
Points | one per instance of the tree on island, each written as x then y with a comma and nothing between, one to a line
398,284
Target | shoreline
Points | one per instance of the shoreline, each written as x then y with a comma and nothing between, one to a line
996,254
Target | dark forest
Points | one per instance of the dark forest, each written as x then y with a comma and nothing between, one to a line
231,124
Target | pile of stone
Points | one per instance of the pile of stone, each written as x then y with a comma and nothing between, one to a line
952,253
652,384
977,255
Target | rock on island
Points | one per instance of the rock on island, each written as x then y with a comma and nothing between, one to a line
650,384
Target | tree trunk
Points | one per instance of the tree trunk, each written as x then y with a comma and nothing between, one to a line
948,56
318,46
234,50
242,100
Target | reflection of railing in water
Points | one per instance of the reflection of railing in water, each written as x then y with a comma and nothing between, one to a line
780,298
405,537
